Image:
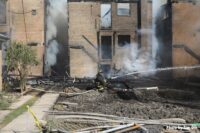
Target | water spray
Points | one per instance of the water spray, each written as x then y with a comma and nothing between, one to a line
158,70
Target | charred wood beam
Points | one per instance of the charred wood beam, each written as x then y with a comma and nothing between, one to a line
85,51
181,1
188,50
121,1
185,1
89,42
139,17
123,85
76,46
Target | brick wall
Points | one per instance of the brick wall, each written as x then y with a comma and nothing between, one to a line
83,20
18,23
120,23
186,31
146,24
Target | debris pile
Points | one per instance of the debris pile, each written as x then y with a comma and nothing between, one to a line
95,122
107,112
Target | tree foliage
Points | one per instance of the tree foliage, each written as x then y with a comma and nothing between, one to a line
19,59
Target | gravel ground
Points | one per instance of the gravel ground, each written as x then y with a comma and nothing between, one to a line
149,106
163,104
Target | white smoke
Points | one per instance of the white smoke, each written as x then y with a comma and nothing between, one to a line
51,29
55,9
53,49
145,31
156,9
129,59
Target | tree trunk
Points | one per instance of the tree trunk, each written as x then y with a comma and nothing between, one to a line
22,74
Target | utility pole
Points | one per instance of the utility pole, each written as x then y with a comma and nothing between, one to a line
25,28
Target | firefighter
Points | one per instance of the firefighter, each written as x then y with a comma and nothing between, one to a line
100,81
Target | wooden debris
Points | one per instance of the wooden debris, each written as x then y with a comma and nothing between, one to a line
88,117
95,128
128,129
68,103
113,118
76,94
148,88
83,113
118,128
173,120
111,123
63,93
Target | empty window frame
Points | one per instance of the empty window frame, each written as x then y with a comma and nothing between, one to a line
2,11
106,13
106,47
124,40
34,12
123,9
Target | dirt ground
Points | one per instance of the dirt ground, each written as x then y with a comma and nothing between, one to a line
151,105
166,103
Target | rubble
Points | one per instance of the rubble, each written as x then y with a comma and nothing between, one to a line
105,112
110,123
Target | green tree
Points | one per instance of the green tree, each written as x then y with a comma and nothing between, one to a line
20,58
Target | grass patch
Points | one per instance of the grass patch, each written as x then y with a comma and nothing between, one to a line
6,99
15,113
4,104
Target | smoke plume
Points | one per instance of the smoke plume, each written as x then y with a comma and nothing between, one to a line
56,10
130,59
156,8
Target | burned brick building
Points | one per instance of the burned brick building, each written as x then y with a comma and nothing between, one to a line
116,36
186,35
105,28
23,21
111,35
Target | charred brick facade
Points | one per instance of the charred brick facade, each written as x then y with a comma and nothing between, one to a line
89,40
